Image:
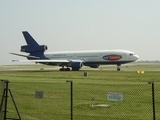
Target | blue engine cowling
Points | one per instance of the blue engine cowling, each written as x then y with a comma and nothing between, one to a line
33,49
76,65
94,66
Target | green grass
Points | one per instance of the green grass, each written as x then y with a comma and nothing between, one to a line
55,105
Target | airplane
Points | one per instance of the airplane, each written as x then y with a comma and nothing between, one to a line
73,59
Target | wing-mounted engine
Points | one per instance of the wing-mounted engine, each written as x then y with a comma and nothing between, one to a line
76,65
33,49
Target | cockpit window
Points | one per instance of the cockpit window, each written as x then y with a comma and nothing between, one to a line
131,54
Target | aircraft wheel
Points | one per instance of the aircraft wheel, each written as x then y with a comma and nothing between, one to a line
67,69
61,69
64,69
118,69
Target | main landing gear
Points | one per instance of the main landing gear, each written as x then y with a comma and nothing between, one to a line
118,68
68,69
64,69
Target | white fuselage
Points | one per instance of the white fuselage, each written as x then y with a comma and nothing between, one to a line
95,56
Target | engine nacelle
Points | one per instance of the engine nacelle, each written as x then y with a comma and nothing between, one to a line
76,65
33,49
94,66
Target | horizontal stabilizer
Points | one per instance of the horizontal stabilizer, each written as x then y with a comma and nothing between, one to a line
28,56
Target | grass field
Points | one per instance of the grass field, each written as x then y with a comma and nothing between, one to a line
87,92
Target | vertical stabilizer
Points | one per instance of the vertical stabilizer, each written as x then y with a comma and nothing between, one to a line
32,46
29,39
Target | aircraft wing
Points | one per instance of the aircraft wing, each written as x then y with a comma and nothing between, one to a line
64,62
28,56
47,62
51,62
43,61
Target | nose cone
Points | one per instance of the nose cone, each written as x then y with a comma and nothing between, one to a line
136,57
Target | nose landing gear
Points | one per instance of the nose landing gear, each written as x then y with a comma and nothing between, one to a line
118,67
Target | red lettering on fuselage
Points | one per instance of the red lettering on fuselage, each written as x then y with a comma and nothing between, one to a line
112,57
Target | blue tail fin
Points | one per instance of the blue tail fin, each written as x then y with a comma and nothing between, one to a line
32,46
29,39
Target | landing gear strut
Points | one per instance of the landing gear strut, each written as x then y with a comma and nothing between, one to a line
118,68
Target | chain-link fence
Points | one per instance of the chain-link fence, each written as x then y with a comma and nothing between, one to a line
84,101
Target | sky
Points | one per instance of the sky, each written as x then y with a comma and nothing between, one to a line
73,25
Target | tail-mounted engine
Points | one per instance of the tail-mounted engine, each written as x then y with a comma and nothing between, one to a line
33,49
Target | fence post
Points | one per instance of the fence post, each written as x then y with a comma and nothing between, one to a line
71,97
153,101
6,99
